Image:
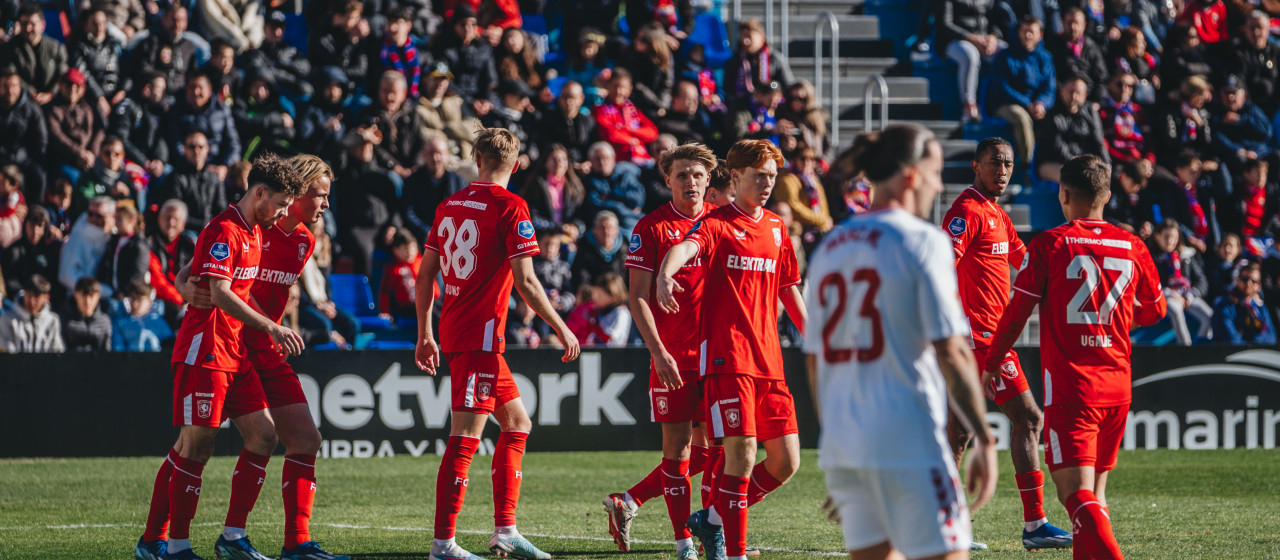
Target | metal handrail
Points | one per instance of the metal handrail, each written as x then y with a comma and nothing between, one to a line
877,82
785,46
768,21
786,28
829,19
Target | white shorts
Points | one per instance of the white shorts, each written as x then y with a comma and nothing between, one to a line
919,511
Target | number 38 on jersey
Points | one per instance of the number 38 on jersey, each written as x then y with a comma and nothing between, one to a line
458,247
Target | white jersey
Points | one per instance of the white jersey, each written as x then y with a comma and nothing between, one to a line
881,289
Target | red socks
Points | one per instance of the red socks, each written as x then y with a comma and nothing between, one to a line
711,476
762,483
158,515
1031,488
184,496
246,484
697,458
507,456
648,488
298,487
451,483
731,504
1093,537
675,491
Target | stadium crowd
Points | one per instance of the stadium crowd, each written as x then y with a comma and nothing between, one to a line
125,125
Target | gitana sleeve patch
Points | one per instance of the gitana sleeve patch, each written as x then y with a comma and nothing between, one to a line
635,242
957,226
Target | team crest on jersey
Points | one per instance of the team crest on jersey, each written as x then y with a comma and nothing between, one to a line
204,409
219,251
525,229
484,391
733,417
661,403
635,242
1009,370
302,252
957,226
777,236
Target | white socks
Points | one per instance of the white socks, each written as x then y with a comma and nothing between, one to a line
178,545
631,502
713,517
233,533
506,532
682,544
1033,525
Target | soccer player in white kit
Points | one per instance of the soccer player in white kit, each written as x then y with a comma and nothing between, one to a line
886,341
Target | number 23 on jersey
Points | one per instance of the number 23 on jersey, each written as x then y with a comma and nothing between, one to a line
838,335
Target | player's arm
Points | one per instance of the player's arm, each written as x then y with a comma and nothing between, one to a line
811,366
793,302
223,298
195,296
1011,325
676,258
426,353
526,282
642,316
960,371
960,224
1149,305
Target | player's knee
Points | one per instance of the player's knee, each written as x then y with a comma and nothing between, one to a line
305,442
262,441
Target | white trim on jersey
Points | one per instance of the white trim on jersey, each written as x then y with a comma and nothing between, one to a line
702,359
1054,447
186,410
487,345
653,417
469,397
1048,388
717,425
193,352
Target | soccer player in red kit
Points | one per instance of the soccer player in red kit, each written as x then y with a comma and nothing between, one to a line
749,265
1093,282
481,241
675,392
212,381
985,246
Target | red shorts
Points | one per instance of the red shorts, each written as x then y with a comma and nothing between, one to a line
480,381
1083,437
279,381
205,397
742,405
677,405
1010,383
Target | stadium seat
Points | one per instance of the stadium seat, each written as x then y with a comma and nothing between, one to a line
352,293
944,85
709,32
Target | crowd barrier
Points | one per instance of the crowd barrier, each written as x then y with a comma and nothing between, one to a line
377,403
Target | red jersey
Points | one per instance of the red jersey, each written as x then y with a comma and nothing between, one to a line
399,285
227,248
748,262
1088,277
653,236
283,255
477,232
985,244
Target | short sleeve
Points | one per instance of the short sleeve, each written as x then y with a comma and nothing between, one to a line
1033,277
937,293
518,231
218,249
1017,249
961,225
704,234
642,251
1147,289
789,267
433,241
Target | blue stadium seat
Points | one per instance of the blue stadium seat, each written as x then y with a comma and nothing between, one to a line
352,293
709,31
535,24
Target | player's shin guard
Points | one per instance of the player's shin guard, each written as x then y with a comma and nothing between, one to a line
184,496
508,454
298,488
158,515
246,484
675,491
1031,488
762,483
1093,536
648,488
451,483
732,505
711,476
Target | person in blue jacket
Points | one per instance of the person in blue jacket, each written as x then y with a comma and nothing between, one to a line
1022,86
137,321
1241,317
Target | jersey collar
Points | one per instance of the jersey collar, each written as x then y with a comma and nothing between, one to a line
296,230
705,208
240,217
479,184
744,214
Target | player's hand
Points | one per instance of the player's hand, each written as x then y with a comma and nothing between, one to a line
987,376
427,354
195,295
667,287
667,370
833,512
980,471
571,347
288,340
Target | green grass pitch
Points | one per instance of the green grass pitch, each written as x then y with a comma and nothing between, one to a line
1164,504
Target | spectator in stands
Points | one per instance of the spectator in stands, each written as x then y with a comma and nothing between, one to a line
76,128
97,55
801,116
1255,59
237,182
758,119
1241,317
1209,18
1257,201
1072,128
366,205
1222,266
321,127
754,65
345,44
469,57
516,59
40,60
166,50
1190,201
620,123
802,192
171,249
264,117
275,56
1076,54
201,111
1022,87
107,178
1184,55
85,327
443,110
237,22
1131,56
1181,273
967,36
13,206
36,252
1241,131
127,257
195,183
687,120
1123,121
794,234
429,186
57,201
403,132
585,62
396,295
652,66
85,245
515,113
124,18
612,185
656,192
137,320
604,319
31,325
1130,203
553,190
568,124
554,272
397,52
317,311
720,189
601,250
1183,124
137,122
227,80
24,137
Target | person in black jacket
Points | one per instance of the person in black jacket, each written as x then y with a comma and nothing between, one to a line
1256,61
36,252
201,110
137,122
85,326
276,57
166,50
366,205
755,65
515,113
194,183
469,57
1130,203
264,118
97,55
967,36
1185,285
553,190
687,120
1184,55
39,59
1241,131
567,124
24,137
322,127
1183,123
1071,129
1192,200
345,44
402,129
429,186
127,257
1075,54
652,66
